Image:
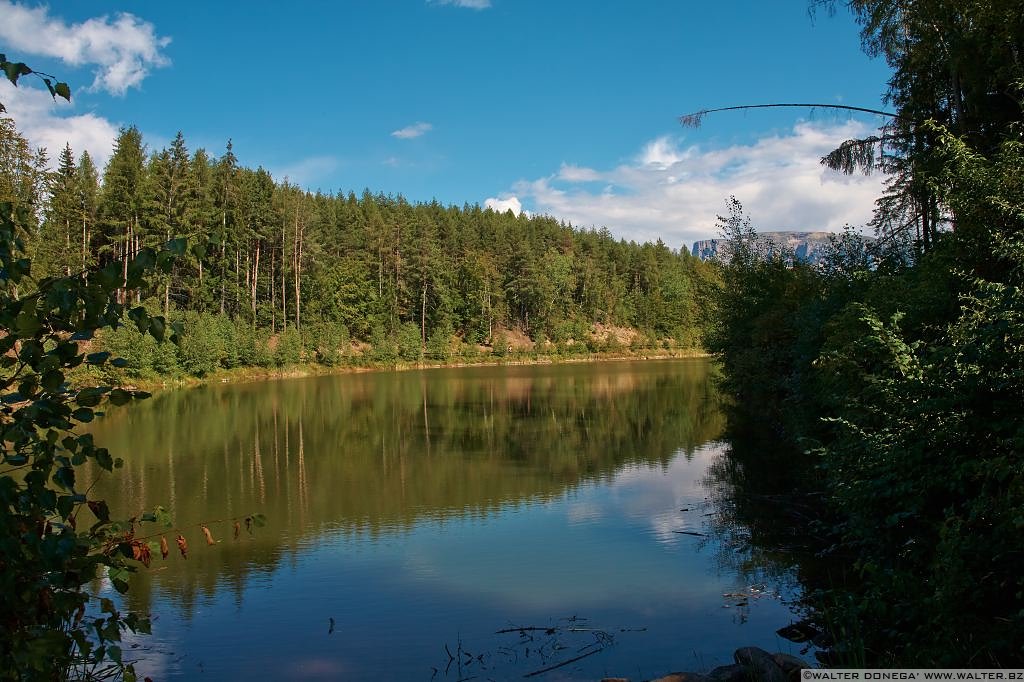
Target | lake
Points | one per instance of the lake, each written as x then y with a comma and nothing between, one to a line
414,516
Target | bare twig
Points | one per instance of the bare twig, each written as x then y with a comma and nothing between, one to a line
547,630
563,663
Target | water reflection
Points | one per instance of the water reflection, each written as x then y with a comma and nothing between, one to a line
413,508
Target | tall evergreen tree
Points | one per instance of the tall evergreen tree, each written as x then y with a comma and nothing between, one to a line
87,186
59,249
122,202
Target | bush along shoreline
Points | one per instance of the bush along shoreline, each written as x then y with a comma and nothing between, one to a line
217,350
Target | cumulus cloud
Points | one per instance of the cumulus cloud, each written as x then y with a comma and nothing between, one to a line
471,4
122,49
500,205
410,132
675,192
39,119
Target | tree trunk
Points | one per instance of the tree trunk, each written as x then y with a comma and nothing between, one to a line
297,268
284,286
273,291
67,256
237,268
255,278
85,241
223,247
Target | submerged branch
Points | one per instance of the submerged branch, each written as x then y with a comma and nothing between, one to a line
563,663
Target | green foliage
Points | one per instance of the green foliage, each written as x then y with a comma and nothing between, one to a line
927,455
53,536
253,349
289,348
439,343
15,70
763,331
134,348
328,343
201,349
266,256
409,343
384,348
500,345
906,382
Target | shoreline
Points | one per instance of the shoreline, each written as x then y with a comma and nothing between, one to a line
241,375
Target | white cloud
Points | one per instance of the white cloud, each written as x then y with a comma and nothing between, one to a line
661,154
471,4
38,118
410,132
572,173
675,193
123,48
500,205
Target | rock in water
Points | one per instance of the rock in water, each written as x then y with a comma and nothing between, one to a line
760,664
682,677
729,673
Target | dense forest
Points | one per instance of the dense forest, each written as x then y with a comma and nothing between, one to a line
276,274
896,373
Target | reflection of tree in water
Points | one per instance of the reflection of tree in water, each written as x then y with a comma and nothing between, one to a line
760,518
374,454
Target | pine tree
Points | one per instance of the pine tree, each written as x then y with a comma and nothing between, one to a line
198,221
226,202
59,250
122,203
87,186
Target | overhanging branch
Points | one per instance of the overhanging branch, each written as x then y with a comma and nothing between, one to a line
694,119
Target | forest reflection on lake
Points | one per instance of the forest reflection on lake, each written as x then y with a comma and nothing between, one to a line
407,511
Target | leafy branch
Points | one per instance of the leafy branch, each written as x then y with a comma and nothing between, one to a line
15,70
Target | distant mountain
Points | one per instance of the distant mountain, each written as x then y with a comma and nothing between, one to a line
806,246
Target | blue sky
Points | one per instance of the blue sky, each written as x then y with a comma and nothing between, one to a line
558,107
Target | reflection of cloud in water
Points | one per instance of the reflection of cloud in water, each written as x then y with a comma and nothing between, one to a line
556,555
583,512
157,656
657,494
664,527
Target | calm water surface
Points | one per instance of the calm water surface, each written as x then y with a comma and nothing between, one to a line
425,510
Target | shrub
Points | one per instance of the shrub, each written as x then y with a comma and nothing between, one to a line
202,345
328,343
289,347
439,343
409,343
136,349
384,348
